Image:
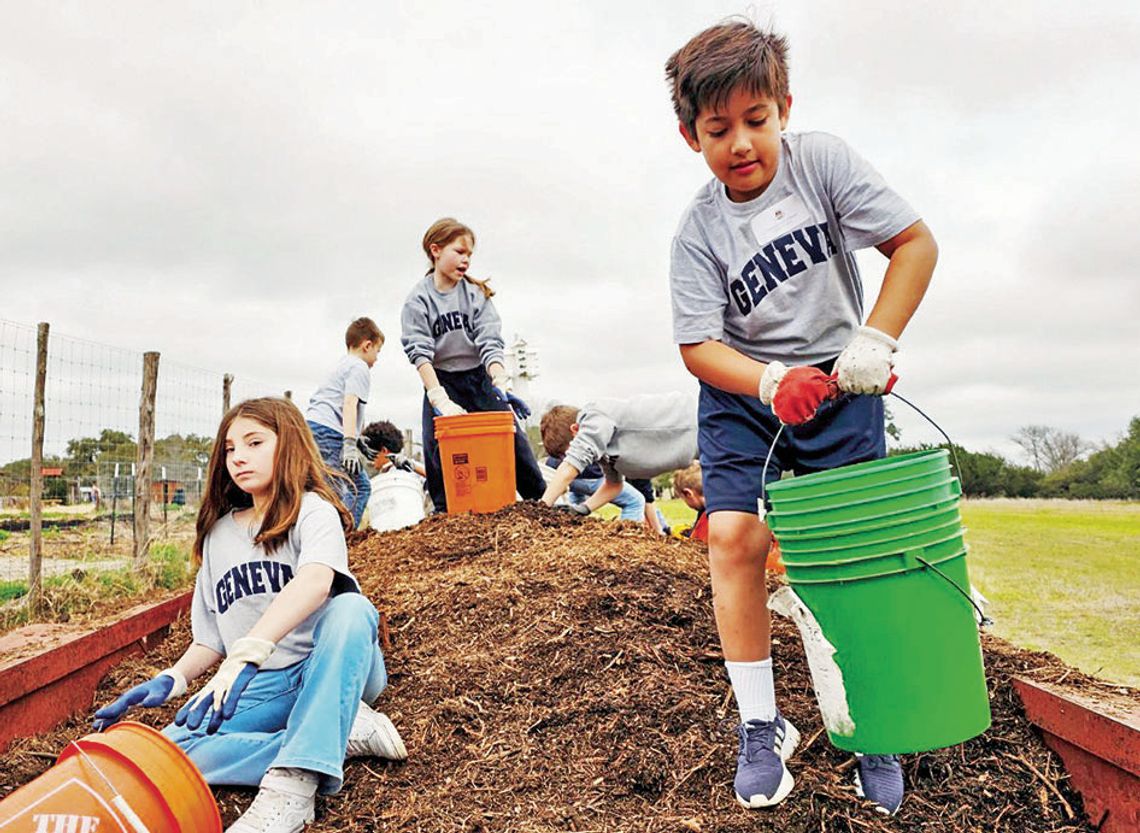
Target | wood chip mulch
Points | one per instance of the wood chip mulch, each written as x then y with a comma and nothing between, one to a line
552,674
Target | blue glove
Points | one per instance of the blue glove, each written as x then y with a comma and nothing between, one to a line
150,694
517,405
218,699
196,709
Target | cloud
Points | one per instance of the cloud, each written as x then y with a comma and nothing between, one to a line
231,184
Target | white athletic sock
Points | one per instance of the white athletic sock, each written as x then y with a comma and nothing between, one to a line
755,689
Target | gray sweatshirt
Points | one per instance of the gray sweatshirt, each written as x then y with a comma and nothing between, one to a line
456,330
640,437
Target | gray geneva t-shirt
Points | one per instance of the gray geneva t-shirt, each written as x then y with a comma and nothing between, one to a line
238,580
326,406
775,277
643,436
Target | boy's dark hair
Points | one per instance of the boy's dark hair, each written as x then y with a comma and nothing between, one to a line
384,435
361,330
555,429
733,54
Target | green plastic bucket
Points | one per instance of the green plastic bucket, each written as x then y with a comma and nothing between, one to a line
890,593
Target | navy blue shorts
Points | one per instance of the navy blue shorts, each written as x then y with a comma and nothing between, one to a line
735,432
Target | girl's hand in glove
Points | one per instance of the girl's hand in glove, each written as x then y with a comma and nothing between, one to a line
219,697
442,403
864,366
152,693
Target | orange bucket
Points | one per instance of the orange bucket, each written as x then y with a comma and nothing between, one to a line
128,779
477,453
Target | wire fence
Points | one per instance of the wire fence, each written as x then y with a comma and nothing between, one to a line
91,426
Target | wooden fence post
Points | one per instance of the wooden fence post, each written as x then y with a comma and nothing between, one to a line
227,383
144,457
36,484
409,448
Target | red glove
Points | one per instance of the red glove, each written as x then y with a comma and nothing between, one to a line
800,393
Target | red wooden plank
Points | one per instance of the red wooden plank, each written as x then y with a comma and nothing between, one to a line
1098,739
37,692
78,649
1110,729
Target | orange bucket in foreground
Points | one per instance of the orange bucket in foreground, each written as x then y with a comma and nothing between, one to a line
128,779
477,453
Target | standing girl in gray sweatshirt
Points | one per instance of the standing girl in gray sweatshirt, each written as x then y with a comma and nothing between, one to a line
453,337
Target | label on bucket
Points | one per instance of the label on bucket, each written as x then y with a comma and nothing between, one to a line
72,807
826,676
480,474
459,459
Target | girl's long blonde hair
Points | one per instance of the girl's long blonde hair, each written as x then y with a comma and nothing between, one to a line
297,468
442,232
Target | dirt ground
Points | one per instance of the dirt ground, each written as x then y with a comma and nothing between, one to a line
551,674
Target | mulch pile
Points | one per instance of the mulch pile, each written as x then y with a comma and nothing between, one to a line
551,674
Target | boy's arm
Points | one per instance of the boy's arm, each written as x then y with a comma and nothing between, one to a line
912,254
559,483
350,402
723,367
604,494
864,366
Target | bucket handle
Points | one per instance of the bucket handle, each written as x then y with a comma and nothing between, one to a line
983,620
117,799
761,501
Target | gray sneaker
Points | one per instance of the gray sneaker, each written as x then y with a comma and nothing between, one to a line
880,779
762,780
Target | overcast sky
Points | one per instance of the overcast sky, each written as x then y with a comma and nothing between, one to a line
230,183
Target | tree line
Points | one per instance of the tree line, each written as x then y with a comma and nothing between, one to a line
1061,465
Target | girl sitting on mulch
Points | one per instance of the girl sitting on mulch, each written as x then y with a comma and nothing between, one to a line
275,603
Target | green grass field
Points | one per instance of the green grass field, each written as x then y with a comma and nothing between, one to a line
1061,576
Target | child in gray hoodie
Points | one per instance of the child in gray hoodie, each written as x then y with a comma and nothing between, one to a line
638,438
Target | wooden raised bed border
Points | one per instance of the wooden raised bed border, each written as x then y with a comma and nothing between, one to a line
59,680
1099,743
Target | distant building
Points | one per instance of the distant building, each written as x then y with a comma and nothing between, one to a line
522,363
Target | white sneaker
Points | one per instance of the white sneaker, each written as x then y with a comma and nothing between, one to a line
284,804
373,736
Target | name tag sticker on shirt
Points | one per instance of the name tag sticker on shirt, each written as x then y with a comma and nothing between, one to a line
785,216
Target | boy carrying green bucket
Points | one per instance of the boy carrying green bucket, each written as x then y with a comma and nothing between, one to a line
767,308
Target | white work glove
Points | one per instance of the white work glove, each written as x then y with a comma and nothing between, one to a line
502,380
773,373
442,403
219,697
864,366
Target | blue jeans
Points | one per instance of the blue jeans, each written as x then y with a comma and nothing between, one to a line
298,716
355,496
629,500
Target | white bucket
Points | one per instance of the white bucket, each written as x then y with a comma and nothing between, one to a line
397,500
